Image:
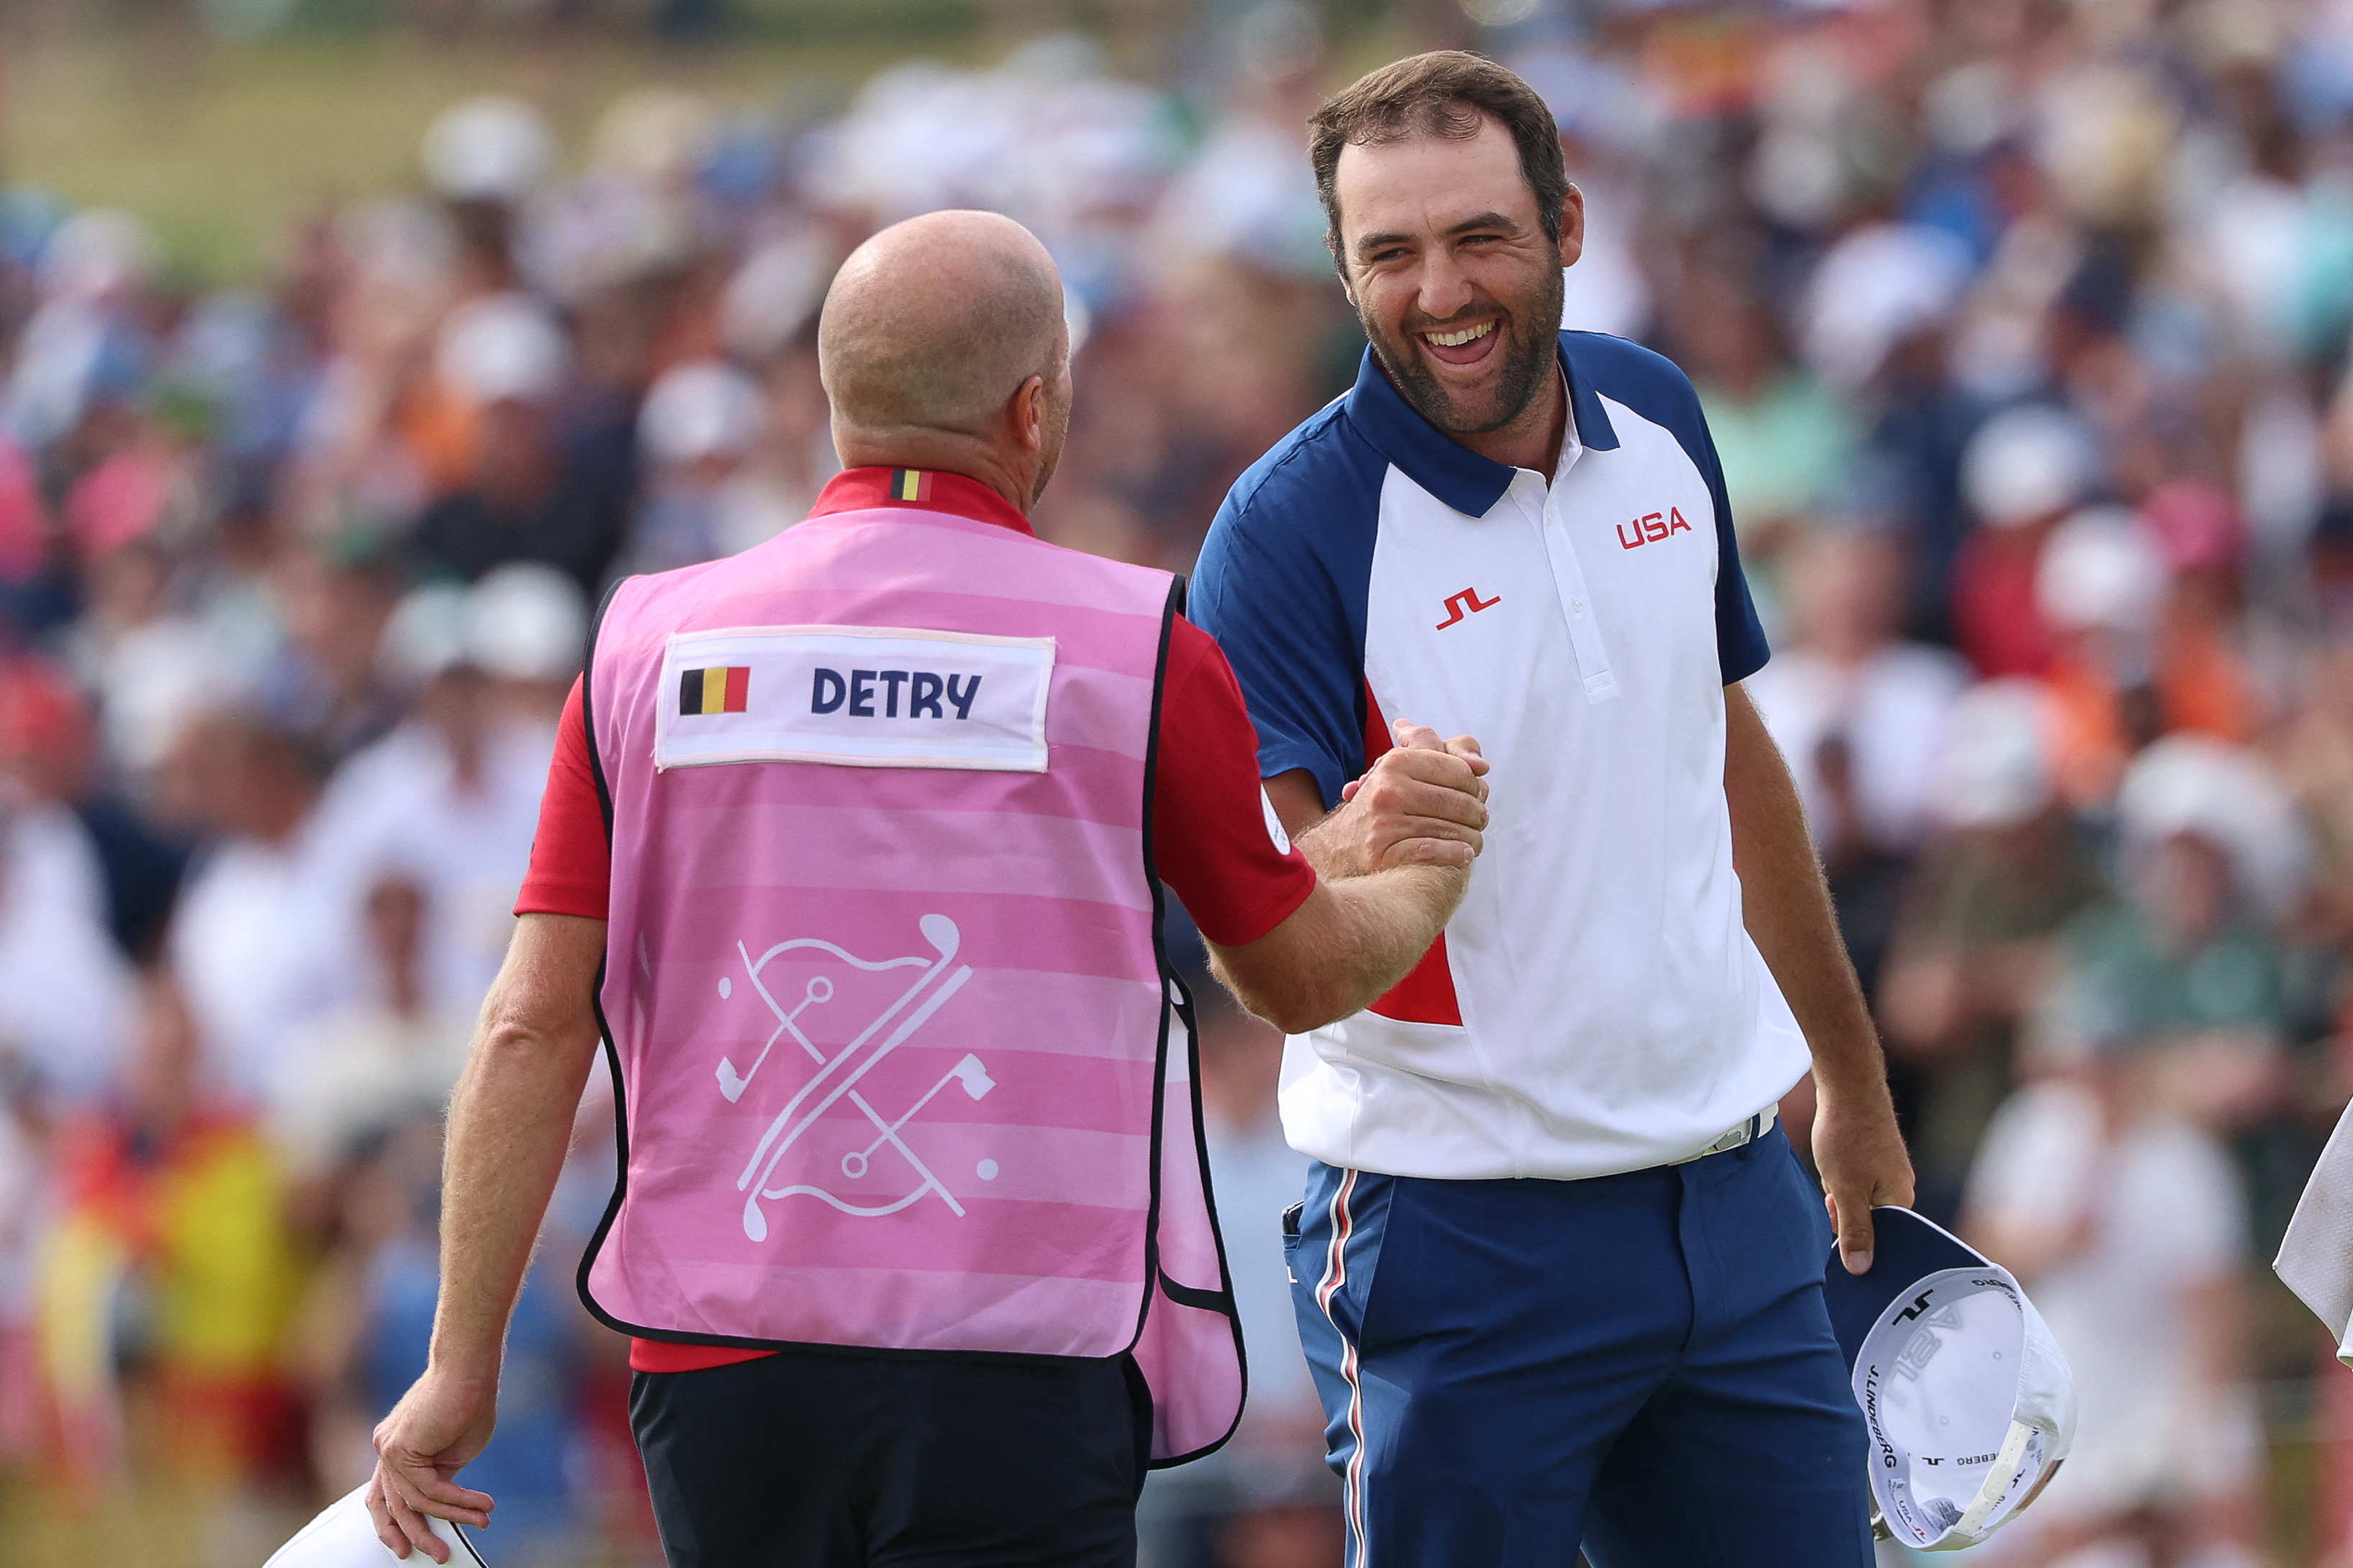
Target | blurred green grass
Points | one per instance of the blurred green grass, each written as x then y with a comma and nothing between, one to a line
224,146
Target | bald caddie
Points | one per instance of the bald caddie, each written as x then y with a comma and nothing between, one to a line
850,853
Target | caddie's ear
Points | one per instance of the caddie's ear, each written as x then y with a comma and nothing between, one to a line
1572,226
1029,412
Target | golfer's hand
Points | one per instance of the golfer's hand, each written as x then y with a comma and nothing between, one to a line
1861,1158
1421,803
438,1426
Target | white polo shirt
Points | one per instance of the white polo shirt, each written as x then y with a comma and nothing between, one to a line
1596,1005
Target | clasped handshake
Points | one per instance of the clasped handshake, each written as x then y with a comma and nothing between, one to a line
1423,803
1392,863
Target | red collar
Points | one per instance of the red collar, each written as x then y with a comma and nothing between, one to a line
863,490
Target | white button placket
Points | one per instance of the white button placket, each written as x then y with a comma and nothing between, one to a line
1569,584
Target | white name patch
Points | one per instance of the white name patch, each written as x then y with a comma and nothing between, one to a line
862,697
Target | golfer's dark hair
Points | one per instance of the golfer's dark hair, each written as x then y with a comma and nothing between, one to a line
1444,93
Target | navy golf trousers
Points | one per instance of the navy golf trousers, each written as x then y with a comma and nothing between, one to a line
1640,1364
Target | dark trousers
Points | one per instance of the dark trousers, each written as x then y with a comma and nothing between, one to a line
818,1460
1642,1364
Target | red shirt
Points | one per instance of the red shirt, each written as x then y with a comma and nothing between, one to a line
1209,837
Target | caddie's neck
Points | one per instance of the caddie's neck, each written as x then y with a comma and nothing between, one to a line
1012,474
1013,452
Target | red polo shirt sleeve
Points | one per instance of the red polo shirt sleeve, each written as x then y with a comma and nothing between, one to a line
571,865
1209,840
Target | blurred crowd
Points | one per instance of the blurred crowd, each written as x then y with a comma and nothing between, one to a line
2023,330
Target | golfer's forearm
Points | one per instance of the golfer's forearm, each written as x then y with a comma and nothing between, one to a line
1786,906
1788,913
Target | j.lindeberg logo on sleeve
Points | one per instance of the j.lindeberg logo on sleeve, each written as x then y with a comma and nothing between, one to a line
874,696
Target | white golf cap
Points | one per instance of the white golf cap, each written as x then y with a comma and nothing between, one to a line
503,346
2026,463
1996,766
490,148
697,410
2101,568
526,621
343,1536
1969,1403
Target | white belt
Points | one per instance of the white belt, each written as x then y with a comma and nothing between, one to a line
1748,1132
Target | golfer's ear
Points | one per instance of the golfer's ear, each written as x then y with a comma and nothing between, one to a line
1339,255
1572,226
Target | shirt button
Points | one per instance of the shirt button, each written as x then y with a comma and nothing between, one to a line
1578,605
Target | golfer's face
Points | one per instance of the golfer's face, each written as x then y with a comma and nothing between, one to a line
1449,270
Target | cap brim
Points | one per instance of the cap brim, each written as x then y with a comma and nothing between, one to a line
1905,1251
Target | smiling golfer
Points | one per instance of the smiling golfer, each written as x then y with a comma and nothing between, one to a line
1558,1272
852,852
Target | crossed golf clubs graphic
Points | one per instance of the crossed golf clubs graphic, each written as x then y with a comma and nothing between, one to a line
838,1077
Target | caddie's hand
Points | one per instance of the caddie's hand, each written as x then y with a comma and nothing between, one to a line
1423,803
438,1427
1861,1158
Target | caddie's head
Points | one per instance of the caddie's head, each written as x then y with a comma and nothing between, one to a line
942,345
1451,217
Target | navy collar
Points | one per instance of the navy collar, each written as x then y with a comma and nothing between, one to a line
1455,474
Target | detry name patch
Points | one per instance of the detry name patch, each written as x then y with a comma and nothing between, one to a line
867,696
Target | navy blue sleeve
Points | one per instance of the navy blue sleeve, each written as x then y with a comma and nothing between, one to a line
1281,584
1654,387
1740,646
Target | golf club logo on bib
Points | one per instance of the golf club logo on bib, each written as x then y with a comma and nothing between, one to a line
828,1140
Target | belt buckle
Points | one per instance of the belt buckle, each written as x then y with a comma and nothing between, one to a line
1746,1133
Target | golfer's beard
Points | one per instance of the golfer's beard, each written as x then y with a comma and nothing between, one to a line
1531,351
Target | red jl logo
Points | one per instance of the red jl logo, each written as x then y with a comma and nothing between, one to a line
1467,600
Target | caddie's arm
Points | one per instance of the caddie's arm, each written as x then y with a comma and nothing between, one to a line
1786,906
510,1123
1392,863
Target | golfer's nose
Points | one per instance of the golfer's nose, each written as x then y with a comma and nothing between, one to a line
1445,287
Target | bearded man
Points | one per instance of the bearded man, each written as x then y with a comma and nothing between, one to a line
1557,1270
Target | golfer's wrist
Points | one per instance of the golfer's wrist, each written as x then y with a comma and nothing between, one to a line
1859,1086
1850,1065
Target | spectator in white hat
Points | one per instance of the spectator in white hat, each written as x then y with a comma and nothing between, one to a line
486,155
528,497
2100,588
447,801
698,429
2027,469
1974,938
2127,1219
